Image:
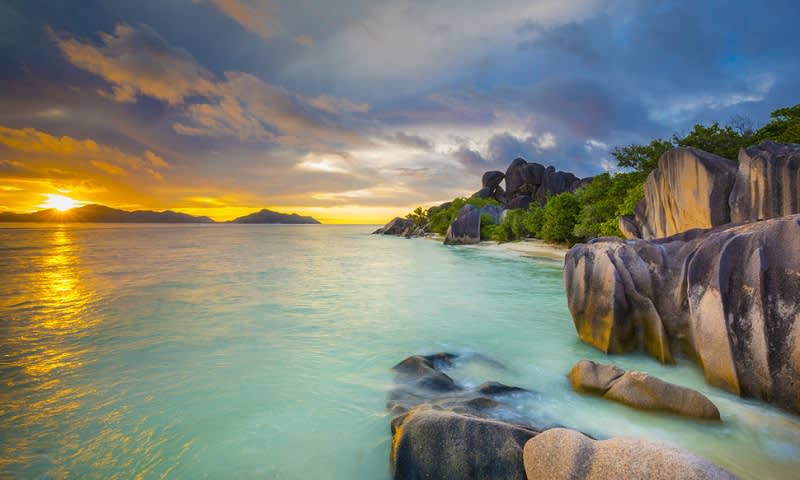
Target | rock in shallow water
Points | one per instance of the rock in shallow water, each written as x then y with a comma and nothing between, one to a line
431,443
395,227
640,390
565,454
727,297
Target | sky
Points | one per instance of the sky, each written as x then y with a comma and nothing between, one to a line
356,111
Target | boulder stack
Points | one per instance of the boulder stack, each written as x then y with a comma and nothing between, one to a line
695,189
727,297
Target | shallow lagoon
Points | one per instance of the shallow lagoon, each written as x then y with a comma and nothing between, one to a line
264,351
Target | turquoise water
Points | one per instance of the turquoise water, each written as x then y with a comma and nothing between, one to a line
264,351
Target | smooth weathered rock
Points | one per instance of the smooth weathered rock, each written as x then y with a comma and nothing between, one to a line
689,189
395,227
500,195
432,443
520,201
645,392
640,390
629,227
466,228
767,182
492,179
516,176
592,377
565,454
484,192
727,297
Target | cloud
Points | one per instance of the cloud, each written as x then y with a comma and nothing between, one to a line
250,109
303,39
256,16
472,160
48,149
331,104
137,61
410,140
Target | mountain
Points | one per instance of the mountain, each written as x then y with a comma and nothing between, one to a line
103,214
268,216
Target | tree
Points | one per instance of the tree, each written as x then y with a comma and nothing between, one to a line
723,141
560,215
784,126
642,158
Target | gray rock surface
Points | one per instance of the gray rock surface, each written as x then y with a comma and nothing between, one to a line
592,377
767,182
492,179
432,443
396,226
695,189
727,297
466,228
640,390
560,453
689,189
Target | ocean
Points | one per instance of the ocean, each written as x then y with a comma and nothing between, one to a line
264,351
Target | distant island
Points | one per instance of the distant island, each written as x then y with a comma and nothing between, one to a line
102,214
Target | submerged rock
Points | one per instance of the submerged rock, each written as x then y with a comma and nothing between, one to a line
565,454
640,390
727,297
456,432
591,377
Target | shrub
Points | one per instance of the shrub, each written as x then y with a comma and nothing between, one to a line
560,216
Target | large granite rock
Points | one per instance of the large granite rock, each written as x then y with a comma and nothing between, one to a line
565,454
640,390
689,189
466,228
767,182
442,429
645,392
726,297
395,227
695,189
592,377
492,179
526,182
432,443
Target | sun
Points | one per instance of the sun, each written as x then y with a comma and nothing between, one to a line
60,202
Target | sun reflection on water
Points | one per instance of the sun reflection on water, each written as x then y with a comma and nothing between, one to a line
48,300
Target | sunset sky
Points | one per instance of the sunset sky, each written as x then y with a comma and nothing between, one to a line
355,111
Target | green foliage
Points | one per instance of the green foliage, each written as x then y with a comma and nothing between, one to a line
489,230
603,200
441,218
419,217
641,158
593,210
723,141
784,126
560,216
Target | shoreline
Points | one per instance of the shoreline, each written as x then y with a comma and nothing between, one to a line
529,247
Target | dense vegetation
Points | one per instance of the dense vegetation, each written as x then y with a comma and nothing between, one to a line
592,211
